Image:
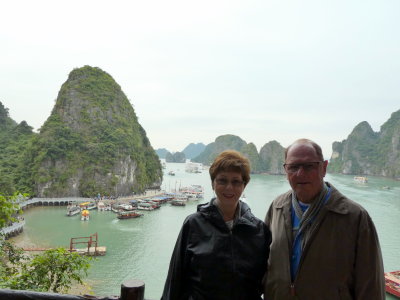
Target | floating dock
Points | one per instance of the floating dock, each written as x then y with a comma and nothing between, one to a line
91,251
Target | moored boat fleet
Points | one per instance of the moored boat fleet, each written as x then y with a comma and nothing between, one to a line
392,283
130,209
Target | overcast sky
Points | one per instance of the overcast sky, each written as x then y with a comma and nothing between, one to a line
195,70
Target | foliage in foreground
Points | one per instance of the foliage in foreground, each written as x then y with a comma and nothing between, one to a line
54,270
8,208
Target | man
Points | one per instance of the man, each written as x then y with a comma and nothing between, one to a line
324,246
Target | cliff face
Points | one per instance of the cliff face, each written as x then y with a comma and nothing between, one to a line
193,150
366,152
269,160
272,155
14,139
92,142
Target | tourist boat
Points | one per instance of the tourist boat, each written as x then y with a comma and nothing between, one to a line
144,206
73,210
177,202
392,283
192,167
154,205
361,179
193,192
160,199
101,206
127,207
85,215
88,205
128,215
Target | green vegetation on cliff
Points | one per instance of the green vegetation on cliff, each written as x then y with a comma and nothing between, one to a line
14,140
91,143
366,152
177,157
265,161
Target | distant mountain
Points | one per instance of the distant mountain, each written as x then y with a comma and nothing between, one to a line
177,157
91,143
161,152
221,143
272,155
366,152
267,161
192,150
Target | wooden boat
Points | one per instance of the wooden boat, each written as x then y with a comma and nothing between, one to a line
361,179
193,192
73,210
392,283
144,206
128,215
88,205
177,202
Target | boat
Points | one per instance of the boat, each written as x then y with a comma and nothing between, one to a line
101,206
85,215
160,199
177,202
128,215
192,167
193,192
392,283
88,205
73,210
361,179
144,206
126,207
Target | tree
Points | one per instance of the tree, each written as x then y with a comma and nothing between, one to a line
55,270
8,207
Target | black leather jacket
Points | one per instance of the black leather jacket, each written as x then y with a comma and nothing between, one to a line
212,262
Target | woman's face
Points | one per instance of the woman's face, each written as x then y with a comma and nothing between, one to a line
228,187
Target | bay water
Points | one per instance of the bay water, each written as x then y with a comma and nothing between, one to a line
141,248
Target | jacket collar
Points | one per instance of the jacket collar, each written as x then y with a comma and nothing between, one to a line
210,211
335,203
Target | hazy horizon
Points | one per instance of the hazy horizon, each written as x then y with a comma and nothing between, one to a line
261,70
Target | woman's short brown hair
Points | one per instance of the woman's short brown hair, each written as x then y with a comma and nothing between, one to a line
231,160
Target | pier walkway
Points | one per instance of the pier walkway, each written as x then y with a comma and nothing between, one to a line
17,227
52,201
14,229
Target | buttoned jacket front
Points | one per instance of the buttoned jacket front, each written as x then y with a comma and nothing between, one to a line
342,260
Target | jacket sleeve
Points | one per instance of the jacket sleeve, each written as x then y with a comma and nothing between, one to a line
369,273
175,285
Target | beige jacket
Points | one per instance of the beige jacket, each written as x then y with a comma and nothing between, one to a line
343,259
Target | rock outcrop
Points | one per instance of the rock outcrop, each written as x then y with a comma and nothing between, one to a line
366,152
92,142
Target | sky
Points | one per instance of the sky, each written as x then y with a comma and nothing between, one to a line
194,70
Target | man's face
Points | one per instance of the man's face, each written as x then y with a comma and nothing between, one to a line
305,171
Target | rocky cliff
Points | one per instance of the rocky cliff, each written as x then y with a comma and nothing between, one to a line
269,160
14,139
92,142
366,152
272,155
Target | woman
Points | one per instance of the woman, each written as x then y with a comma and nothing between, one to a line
222,249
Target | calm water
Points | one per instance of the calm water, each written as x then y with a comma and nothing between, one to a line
141,248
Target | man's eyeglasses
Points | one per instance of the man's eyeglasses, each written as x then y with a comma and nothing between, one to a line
307,167
225,182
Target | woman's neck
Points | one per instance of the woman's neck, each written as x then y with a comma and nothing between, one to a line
228,211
